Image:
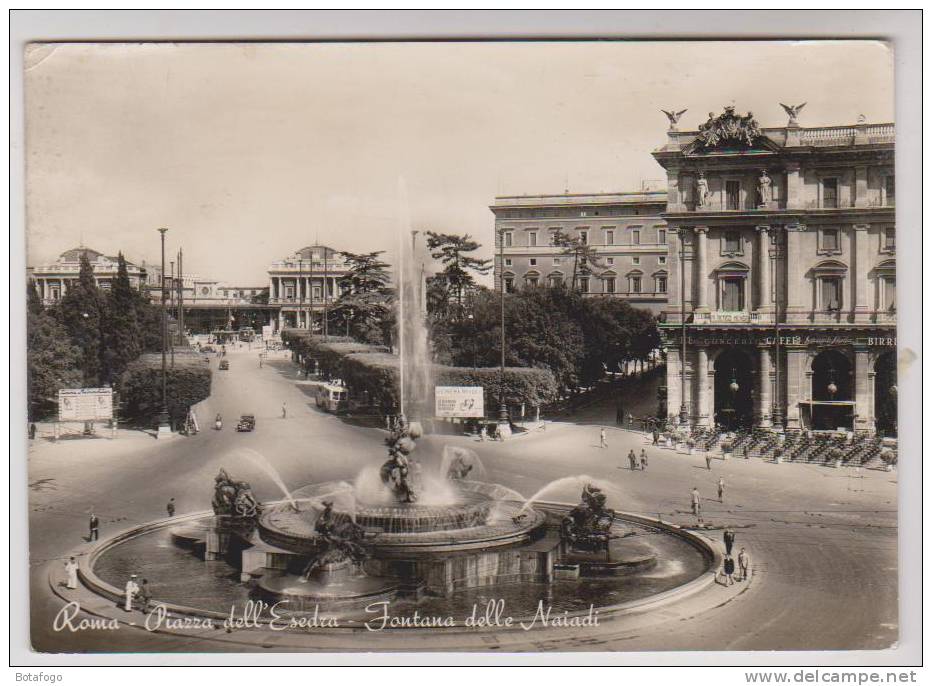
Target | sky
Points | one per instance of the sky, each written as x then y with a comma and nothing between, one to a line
247,152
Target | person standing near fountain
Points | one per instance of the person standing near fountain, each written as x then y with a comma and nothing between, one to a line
130,591
744,563
632,460
697,503
643,460
284,410
721,489
71,569
602,442
94,526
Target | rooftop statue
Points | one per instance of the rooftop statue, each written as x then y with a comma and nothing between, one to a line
674,117
729,127
793,111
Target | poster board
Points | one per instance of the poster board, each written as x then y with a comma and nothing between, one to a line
459,401
85,404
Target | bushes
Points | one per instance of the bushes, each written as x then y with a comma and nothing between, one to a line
140,387
371,371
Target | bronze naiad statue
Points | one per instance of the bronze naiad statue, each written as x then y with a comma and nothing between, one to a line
234,498
337,539
588,526
400,472
459,468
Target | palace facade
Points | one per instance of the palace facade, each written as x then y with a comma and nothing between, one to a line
626,231
782,257
304,285
52,281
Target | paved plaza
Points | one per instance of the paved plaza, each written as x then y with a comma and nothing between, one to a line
823,541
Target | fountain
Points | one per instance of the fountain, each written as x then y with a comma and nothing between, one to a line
409,530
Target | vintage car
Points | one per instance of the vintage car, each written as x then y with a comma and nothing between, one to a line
224,364
247,422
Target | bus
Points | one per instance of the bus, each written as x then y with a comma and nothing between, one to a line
331,397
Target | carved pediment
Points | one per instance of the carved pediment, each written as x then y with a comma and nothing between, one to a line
730,132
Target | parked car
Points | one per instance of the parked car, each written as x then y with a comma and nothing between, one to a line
247,422
224,364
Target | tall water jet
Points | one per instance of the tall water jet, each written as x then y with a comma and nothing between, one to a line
415,387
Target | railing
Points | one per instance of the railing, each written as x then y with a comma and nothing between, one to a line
302,301
725,317
308,266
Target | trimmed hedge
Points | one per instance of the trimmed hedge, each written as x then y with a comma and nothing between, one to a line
371,370
186,384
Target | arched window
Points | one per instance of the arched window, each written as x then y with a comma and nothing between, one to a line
732,281
508,278
830,285
886,286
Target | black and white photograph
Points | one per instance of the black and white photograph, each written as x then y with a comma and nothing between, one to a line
512,346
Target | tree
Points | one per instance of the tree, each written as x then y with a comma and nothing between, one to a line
79,312
33,301
367,301
52,363
452,250
121,334
584,255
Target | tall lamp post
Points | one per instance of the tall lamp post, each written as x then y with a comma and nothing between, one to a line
776,413
504,426
684,410
164,425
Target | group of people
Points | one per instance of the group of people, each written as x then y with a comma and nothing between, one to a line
728,566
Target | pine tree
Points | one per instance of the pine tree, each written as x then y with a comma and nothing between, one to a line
584,255
121,335
451,250
366,302
52,363
80,314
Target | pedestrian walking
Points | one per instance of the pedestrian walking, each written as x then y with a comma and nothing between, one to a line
708,461
260,360
728,570
729,538
170,507
144,596
71,569
130,591
633,460
656,436
744,563
643,459
94,526
602,442
284,411
696,503
721,489
32,431
483,433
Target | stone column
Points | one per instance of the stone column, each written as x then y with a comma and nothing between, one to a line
860,187
271,288
795,363
858,272
794,195
704,409
863,417
796,284
764,285
764,401
674,387
674,287
701,268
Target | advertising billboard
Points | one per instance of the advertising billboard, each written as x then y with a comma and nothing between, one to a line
459,401
85,404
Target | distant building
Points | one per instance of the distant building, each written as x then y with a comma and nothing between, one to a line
53,280
783,270
304,285
626,229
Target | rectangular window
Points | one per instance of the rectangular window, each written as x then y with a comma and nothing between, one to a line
830,192
508,239
556,281
553,235
636,237
532,239
732,241
661,284
889,293
316,292
889,238
831,294
533,281
609,238
584,237
610,260
830,239
661,236
556,261
509,285
289,292
635,260
533,261
584,285
662,259
733,295
56,294
889,184
610,285
732,195
507,261
635,284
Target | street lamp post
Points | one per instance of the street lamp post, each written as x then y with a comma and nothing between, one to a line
502,407
164,425
171,306
776,412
